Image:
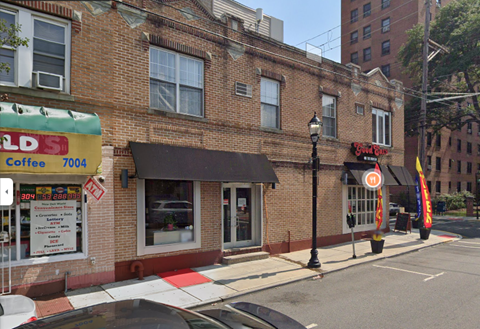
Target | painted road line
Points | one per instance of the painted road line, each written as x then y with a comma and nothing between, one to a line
433,276
470,247
313,325
468,242
430,276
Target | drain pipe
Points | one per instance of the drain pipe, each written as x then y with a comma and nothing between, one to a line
133,268
66,282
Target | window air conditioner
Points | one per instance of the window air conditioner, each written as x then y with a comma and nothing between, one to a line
242,89
49,81
429,167
469,131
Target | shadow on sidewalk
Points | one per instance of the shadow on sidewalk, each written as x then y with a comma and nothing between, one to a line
349,258
402,245
252,277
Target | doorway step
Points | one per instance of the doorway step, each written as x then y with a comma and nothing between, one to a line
240,255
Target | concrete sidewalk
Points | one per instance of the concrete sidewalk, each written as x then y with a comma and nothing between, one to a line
238,279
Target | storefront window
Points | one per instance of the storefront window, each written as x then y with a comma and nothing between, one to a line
363,204
49,221
169,216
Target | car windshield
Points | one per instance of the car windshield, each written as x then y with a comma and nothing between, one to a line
128,314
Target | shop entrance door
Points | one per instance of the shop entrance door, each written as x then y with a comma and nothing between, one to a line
6,249
238,216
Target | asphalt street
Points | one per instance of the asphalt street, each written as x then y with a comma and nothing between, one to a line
432,288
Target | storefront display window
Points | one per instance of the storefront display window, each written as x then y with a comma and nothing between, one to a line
169,212
363,204
46,221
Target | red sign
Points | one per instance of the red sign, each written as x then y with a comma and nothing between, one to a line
358,149
17,142
95,188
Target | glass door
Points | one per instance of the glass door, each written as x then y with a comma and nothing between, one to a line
237,216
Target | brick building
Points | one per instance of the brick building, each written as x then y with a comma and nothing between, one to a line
372,34
204,148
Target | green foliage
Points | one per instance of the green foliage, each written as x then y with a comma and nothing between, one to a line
458,71
9,37
453,201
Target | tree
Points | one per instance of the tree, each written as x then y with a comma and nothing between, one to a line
456,28
9,37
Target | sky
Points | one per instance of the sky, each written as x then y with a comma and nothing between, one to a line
306,19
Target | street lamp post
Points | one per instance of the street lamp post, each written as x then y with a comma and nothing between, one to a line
314,127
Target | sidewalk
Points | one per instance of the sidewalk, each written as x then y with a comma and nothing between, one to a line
235,280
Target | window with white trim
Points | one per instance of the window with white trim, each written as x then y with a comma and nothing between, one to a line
329,116
381,127
176,82
363,204
270,100
45,63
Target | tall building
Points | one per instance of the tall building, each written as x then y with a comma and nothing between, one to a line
373,32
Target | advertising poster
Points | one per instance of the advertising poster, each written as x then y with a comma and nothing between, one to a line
52,227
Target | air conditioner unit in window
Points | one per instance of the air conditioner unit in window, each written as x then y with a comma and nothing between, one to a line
429,167
242,89
47,80
469,131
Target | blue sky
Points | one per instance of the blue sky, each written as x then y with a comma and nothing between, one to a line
305,19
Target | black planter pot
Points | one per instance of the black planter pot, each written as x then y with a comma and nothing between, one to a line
424,233
416,223
377,246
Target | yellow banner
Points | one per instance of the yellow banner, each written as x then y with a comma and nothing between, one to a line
426,202
44,152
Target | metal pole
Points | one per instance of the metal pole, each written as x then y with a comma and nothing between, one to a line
423,108
476,189
314,262
353,243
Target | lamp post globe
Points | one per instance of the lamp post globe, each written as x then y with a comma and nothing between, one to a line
314,127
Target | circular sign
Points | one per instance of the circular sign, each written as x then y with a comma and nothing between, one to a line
372,180
60,190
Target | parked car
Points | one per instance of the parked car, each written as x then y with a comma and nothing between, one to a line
394,209
181,210
16,310
141,313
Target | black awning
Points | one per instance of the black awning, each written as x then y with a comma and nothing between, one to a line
157,161
357,169
402,175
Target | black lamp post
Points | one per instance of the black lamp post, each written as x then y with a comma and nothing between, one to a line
314,126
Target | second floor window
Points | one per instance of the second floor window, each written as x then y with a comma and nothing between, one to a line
438,185
459,167
329,116
45,63
381,127
386,47
469,148
367,32
354,15
385,4
367,9
354,37
270,101
176,82
354,57
385,25
459,186
469,167
367,54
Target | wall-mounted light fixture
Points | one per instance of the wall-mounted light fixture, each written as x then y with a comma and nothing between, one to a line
124,178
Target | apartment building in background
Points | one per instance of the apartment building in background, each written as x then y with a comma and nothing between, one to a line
372,33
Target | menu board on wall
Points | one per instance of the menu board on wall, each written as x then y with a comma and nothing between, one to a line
52,227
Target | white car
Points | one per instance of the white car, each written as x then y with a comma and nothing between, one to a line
16,310
394,209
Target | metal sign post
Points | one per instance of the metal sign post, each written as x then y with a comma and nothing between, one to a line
351,223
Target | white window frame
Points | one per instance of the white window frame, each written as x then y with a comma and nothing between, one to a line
60,179
24,73
334,117
379,116
363,227
142,249
265,100
177,83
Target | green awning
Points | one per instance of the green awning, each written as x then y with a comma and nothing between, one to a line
18,116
